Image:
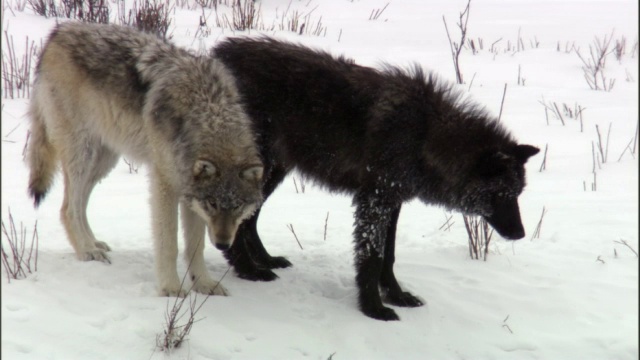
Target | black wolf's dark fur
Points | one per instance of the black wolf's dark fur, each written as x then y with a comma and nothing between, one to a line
385,136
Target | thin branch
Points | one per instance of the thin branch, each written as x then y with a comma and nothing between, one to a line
290,227
504,93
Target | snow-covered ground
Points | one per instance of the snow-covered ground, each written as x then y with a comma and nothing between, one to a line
572,293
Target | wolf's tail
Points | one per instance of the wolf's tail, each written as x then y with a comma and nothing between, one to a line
42,154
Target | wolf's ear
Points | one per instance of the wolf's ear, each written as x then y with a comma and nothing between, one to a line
252,173
524,152
204,167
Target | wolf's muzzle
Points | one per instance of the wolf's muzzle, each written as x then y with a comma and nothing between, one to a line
222,246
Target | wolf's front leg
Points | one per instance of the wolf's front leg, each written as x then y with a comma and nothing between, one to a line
164,214
391,290
194,230
372,218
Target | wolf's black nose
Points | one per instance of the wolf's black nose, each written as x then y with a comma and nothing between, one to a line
516,235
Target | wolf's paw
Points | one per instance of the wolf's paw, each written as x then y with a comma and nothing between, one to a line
210,287
275,262
381,313
404,299
102,245
257,274
94,255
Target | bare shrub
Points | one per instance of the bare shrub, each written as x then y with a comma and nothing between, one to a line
46,8
17,71
245,15
375,13
603,147
153,17
174,333
456,48
594,65
150,16
479,236
553,108
18,5
21,257
302,23
92,11
624,242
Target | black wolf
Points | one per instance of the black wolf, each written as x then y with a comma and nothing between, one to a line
385,136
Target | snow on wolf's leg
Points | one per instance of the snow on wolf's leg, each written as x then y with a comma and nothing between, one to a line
194,237
77,188
372,219
393,294
164,224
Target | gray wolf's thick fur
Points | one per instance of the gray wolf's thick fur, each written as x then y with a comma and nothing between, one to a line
386,136
103,91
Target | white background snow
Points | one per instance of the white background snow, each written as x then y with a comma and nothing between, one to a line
543,298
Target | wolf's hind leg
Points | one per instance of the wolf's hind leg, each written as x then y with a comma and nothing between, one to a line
83,166
194,236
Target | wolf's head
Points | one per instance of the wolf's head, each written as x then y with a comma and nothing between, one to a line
493,186
223,195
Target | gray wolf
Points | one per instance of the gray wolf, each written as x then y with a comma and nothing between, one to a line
385,136
103,91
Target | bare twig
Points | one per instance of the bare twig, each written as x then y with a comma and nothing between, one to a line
629,146
558,112
290,227
448,223
326,221
375,13
603,148
624,242
543,166
504,324
536,232
504,93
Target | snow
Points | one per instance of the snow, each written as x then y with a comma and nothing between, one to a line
562,295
